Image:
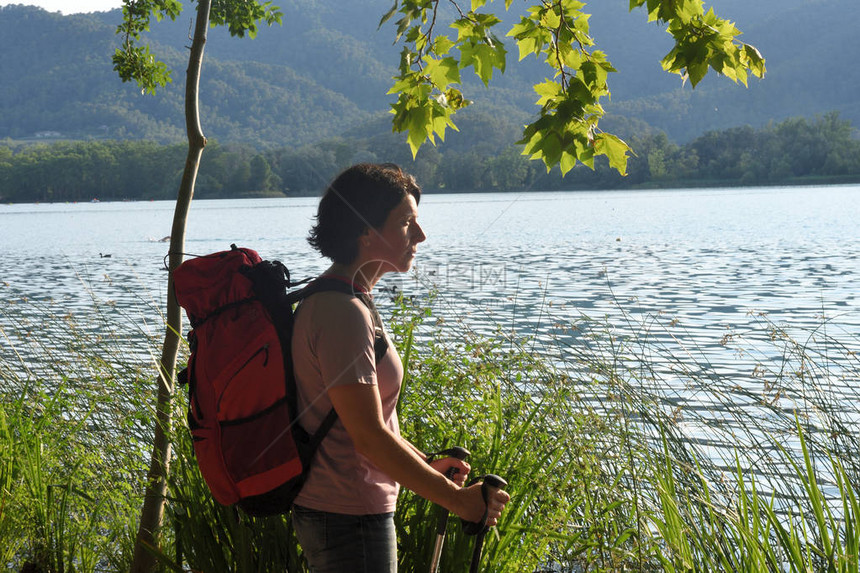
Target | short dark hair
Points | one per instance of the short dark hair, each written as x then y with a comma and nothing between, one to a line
361,197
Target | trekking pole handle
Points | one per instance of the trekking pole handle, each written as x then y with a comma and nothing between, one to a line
455,452
492,480
442,521
460,454
491,483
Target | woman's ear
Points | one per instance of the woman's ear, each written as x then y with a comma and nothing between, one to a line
364,238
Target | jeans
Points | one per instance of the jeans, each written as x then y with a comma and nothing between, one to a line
337,543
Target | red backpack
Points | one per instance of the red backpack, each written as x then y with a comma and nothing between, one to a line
250,448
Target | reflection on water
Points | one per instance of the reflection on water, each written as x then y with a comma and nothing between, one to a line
717,282
706,258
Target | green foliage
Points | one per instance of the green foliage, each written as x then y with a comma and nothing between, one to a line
566,130
806,531
242,17
73,422
133,62
83,171
795,148
326,68
577,418
703,40
138,63
795,151
511,411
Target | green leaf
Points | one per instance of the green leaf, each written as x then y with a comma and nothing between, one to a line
614,149
465,29
550,19
442,45
388,15
440,123
696,72
572,6
578,95
570,57
594,76
169,8
443,72
485,21
136,63
404,84
580,24
690,9
567,162
530,38
483,58
418,121
454,99
548,91
551,149
753,59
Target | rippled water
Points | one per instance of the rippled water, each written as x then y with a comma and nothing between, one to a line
705,258
693,271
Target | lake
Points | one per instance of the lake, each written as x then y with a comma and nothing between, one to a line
705,257
706,276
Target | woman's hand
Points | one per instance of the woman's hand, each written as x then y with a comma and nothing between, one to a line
462,469
472,504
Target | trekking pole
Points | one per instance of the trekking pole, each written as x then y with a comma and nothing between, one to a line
491,484
442,523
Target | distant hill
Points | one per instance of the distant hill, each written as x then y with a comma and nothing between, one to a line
325,72
811,48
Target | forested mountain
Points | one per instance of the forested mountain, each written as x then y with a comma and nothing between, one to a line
325,72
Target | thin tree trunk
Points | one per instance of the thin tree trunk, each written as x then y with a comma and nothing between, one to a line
152,511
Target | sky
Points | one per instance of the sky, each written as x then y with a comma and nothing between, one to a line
69,6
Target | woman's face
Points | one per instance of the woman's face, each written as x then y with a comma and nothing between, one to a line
396,242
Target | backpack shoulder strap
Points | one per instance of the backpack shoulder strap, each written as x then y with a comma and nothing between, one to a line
380,342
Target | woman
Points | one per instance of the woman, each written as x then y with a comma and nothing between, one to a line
367,225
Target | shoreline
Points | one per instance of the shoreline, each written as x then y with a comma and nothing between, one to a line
676,186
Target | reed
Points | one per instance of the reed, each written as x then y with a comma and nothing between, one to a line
211,537
521,420
625,447
740,473
73,416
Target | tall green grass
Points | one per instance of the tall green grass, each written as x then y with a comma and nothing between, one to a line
746,472
74,424
523,420
606,433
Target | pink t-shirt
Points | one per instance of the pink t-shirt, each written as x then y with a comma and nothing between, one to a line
333,345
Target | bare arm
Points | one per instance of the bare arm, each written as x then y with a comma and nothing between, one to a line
442,465
359,408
